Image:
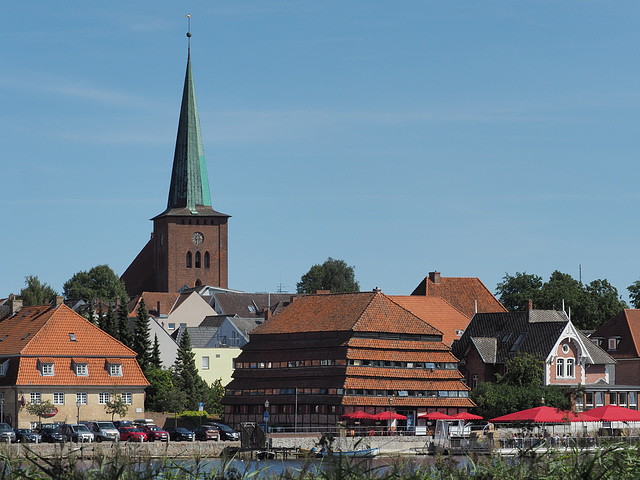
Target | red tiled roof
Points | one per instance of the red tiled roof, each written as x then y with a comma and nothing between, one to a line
410,402
358,312
363,383
397,344
401,356
626,326
437,312
462,293
168,301
400,373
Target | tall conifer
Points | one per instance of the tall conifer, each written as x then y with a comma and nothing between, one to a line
141,342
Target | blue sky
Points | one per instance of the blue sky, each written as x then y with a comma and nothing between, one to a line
470,137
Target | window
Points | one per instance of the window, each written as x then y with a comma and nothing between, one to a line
206,260
599,399
4,366
188,259
560,367
35,397
82,370
172,326
570,368
115,370
81,398
183,325
72,337
518,341
58,398
103,398
633,400
589,397
613,343
205,363
127,398
46,369
474,381
565,348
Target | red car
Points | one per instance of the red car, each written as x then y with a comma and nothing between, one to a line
132,434
155,433
206,432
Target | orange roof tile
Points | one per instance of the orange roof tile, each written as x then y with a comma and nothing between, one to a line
415,373
464,293
358,312
402,356
361,383
397,344
424,402
166,301
437,312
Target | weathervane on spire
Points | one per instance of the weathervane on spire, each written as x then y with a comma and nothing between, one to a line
189,35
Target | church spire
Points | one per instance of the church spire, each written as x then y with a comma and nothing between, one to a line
189,181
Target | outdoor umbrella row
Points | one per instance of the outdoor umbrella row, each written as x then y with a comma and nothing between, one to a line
608,413
359,415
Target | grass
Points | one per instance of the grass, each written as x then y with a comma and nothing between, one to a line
614,461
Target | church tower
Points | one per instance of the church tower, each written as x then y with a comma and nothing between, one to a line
188,246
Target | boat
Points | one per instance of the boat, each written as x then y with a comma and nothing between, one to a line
362,452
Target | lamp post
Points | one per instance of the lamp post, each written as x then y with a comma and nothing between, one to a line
266,421
2,409
78,403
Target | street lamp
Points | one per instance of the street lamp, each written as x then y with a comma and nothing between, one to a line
78,403
2,409
266,420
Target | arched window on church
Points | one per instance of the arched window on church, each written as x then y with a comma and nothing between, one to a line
206,259
188,259
198,283
197,259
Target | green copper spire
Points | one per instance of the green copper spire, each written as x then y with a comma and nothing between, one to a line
189,182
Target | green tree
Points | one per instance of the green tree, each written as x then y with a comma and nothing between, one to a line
116,406
42,409
110,323
124,333
333,275
518,389
634,293
604,303
156,361
100,282
213,398
141,343
160,381
186,376
514,291
36,293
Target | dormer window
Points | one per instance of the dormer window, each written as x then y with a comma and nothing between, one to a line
115,369
613,343
4,366
82,368
46,369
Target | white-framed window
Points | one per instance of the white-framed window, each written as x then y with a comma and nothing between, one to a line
115,370
81,398
35,397
205,363
613,343
46,369
633,400
599,399
103,398
571,367
560,367
565,348
82,370
4,366
58,398
127,398
172,326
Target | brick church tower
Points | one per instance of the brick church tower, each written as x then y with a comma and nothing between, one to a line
188,246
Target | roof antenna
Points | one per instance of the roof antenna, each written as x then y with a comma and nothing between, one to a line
189,36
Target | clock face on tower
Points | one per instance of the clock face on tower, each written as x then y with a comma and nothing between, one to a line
197,238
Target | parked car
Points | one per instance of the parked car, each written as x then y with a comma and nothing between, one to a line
26,435
132,434
181,434
226,432
104,430
155,433
77,433
206,432
6,433
143,422
51,432
123,423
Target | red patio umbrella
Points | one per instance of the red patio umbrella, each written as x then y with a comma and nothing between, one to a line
435,416
389,416
466,416
613,413
536,415
359,415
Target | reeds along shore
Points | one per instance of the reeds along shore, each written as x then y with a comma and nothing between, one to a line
612,462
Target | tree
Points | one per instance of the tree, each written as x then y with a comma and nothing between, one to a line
156,361
333,275
36,293
116,406
42,409
124,333
186,376
98,283
514,291
213,398
634,293
604,303
160,381
141,343
518,389
110,323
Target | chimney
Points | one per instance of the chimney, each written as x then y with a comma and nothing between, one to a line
15,305
529,305
434,277
59,300
158,308
266,313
